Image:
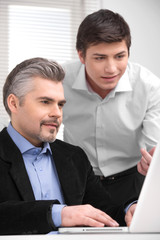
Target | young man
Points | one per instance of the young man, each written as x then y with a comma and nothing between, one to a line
45,183
113,106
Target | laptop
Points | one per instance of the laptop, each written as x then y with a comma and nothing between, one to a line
146,218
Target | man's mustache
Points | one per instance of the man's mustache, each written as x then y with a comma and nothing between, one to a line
53,121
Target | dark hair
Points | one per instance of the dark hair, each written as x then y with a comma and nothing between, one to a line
20,80
102,26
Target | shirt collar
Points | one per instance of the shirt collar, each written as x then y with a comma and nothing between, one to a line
22,143
80,82
124,84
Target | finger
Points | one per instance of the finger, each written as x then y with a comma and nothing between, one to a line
142,172
106,216
129,214
128,219
152,151
87,221
141,169
105,219
100,216
144,164
146,156
101,213
98,222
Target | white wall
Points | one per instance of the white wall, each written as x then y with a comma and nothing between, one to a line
143,17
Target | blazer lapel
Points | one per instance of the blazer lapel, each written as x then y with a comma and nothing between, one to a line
68,178
20,176
11,154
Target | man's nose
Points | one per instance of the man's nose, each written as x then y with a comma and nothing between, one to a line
56,111
110,66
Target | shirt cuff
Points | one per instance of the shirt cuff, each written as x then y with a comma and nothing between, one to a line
126,209
56,214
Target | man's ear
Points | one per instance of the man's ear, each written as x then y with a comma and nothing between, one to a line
81,57
13,103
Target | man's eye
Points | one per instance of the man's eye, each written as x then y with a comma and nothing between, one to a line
99,58
61,105
120,56
45,102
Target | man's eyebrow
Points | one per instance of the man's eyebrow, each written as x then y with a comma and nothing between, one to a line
104,55
121,52
46,98
99,54
51,99
62,101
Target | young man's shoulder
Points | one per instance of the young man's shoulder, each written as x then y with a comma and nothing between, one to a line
140,73
71,65
138,69
71,69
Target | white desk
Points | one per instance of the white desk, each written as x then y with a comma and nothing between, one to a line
115,236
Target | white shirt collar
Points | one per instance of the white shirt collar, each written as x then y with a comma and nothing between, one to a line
80,82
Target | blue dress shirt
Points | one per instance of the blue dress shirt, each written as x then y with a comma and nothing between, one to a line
42,172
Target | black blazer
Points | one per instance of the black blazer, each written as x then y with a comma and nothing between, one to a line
20,213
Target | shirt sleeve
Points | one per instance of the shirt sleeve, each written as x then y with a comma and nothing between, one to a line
126,209
56,214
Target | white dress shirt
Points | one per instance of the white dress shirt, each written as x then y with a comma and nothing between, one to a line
112,130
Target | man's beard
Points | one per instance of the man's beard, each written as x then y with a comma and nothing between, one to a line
52,136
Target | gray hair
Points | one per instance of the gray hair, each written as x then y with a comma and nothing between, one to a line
20,79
